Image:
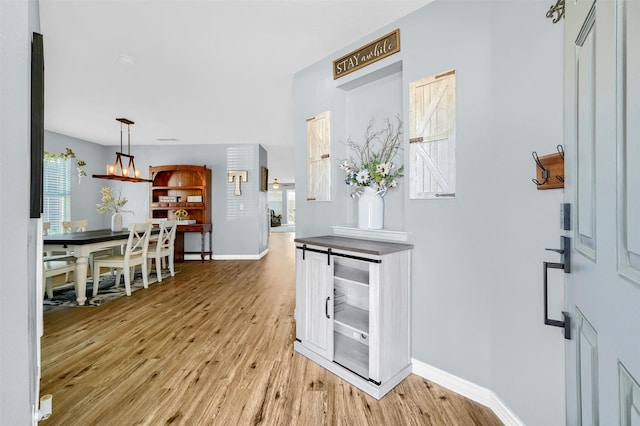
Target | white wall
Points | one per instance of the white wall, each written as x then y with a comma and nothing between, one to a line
477,278
18,19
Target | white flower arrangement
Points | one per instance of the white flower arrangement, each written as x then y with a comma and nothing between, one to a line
110,203
375,167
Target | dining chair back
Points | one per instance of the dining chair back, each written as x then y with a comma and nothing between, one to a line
46,226
71,226
135,254
163,248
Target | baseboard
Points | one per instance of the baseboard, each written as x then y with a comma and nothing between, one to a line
469,390
240,256
195,257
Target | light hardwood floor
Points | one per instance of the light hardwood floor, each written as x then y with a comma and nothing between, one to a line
214,346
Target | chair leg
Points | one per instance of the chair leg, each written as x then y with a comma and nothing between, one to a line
96,280
145,274
127,281
118,275
49,287
171,267
159,269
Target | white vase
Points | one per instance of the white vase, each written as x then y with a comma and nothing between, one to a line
370,209
116,222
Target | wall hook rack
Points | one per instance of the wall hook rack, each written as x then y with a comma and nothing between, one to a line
549,170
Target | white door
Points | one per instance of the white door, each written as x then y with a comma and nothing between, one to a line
602,160
314,299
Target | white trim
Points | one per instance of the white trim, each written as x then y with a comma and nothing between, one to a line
375,234
235,256
469,390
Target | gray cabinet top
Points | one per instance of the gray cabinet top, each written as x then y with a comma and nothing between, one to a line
377,248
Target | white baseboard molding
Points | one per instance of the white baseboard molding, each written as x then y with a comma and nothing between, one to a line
239,256
195,257
469,390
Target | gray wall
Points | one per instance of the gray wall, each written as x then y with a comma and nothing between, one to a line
18,298
238,221
476,269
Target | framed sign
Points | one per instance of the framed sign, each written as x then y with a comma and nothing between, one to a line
264,178
378,49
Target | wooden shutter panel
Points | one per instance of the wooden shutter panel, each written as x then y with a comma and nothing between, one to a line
432,137
318,158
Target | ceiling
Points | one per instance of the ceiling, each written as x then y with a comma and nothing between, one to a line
193,72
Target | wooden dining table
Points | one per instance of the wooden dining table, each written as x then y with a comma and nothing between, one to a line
82,244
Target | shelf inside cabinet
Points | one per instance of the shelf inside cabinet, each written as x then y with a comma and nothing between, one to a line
350,273
351,354
354,318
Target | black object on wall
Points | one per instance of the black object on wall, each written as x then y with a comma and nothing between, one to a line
37,125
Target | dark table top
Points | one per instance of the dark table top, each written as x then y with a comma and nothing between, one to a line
89,237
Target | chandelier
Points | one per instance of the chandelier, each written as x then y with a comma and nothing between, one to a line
118,170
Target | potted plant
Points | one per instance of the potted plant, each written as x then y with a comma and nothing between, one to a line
110,204
373,173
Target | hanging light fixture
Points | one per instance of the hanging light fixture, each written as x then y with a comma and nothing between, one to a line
276,184
118,170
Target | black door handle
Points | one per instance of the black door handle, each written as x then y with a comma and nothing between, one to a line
326,307
566,319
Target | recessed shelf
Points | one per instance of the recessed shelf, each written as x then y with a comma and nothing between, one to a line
354,318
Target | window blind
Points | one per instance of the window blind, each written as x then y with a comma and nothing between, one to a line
57,193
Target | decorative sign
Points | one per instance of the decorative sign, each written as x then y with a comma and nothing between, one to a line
237,176
378,49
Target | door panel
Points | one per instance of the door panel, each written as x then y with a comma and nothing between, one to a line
587,374
630,398
602,153
629,189
585,141
317,325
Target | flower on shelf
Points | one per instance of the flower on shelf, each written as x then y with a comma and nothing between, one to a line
181,214
374,166
110,203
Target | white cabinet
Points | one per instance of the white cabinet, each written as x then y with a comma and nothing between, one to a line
352,309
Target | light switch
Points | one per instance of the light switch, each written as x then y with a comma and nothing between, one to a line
241,206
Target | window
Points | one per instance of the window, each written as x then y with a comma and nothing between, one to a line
57,193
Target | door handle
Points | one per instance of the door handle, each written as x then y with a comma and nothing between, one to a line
566,318
326,307
565,265
565,254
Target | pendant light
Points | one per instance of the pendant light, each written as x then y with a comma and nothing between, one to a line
118,170
276,184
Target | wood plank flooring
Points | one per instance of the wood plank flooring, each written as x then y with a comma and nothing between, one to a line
214,346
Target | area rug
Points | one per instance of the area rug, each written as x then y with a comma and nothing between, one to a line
65,295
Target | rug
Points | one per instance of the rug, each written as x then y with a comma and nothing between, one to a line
65,295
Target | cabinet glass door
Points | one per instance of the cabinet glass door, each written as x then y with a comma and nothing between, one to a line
351,314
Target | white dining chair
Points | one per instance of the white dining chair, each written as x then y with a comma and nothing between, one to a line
71,226
162,249
135,254
51,268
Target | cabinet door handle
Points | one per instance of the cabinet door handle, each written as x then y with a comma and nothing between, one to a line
326,307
